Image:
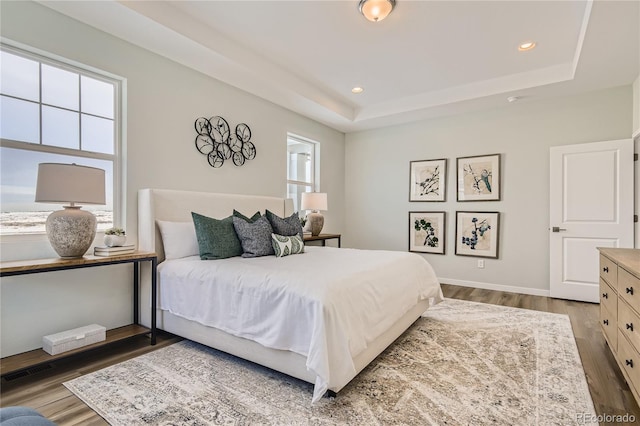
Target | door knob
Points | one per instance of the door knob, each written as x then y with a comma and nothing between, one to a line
557,229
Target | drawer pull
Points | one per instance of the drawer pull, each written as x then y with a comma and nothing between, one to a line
629,362
605,322
630,290
605,295
606,269
630,326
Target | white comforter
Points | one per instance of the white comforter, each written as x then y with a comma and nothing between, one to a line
326,304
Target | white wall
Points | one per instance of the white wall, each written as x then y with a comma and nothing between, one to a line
636,106
377,187
163,100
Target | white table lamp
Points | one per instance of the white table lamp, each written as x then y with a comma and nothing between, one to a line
314,201
71,231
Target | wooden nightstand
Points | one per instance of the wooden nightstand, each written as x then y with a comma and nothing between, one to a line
323,238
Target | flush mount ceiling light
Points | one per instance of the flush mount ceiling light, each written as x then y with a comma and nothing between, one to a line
357,90
523,47
376,10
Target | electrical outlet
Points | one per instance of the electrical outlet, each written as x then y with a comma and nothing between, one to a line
481,263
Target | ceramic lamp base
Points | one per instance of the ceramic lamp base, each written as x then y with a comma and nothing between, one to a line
315,222
71,231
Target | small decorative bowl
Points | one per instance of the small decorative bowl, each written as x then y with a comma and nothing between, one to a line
115,240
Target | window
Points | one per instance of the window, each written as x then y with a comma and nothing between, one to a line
301,167
52,111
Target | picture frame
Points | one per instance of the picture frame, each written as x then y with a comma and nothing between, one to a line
478,178
428,180
427,232
477,234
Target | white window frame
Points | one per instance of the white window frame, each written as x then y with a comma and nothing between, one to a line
116,158
313,185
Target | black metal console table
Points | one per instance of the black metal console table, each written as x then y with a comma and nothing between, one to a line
23,361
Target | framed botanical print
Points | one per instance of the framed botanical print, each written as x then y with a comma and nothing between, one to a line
477,234
427,232
478,178
427,180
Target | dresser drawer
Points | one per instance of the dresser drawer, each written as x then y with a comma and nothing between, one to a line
609,270
608,297
630,360
608,321
629,324
629,288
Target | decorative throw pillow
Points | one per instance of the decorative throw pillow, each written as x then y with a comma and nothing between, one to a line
217,238
251,219
178,238
255,237
288,226
284,246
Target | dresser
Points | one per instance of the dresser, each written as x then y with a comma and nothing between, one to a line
620,310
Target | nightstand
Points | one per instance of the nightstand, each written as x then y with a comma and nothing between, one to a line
323,238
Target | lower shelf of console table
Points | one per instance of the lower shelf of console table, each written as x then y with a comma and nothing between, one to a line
15,364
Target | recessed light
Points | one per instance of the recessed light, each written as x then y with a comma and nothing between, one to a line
357,90
512,99
523,47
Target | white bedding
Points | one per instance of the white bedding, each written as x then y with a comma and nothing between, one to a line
326,304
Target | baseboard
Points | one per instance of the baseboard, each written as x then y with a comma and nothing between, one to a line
496,287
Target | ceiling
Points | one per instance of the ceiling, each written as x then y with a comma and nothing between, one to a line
427,59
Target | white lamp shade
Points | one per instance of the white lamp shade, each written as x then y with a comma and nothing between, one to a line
70,183
313,201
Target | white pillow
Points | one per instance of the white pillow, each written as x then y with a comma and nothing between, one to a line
179,239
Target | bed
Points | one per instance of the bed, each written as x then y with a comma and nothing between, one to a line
321,316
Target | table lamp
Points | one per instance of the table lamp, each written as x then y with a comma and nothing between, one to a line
314,201
71,231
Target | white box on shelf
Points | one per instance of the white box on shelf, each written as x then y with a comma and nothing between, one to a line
64,341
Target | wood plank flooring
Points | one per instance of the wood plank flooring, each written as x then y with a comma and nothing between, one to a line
44,390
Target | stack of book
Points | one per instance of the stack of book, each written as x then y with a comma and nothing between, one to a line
113,251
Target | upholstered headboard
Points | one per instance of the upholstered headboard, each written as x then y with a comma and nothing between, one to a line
173,205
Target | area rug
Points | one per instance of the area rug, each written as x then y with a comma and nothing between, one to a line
463,363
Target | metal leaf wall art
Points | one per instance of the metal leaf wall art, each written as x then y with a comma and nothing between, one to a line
216,142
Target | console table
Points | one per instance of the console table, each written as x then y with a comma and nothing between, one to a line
323,238
23,361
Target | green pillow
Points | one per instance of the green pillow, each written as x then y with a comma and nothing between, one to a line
251,219
217,239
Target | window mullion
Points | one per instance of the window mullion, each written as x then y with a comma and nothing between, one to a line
7,143
40,101
80,111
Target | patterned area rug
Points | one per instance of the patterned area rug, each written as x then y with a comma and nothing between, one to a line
463,363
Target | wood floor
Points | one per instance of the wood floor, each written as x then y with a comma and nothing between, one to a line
44,390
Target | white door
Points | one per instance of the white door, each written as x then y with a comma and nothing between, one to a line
591,205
